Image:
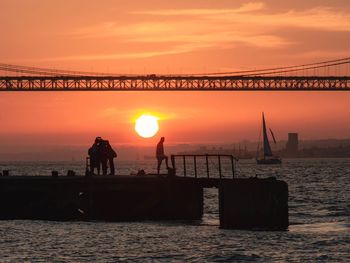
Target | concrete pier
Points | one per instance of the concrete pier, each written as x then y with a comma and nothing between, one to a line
118,198
243,203
254,204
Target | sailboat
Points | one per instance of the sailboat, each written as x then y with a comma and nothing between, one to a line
268,157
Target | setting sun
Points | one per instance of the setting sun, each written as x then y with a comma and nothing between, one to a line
146,126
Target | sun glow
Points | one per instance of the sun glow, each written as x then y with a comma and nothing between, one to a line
147,126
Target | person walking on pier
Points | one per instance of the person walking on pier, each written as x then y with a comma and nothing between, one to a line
160,154
111,154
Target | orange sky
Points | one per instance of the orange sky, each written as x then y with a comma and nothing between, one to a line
162,37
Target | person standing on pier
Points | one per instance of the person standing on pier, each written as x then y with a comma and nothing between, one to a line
160,154
103,154
111,154
94,154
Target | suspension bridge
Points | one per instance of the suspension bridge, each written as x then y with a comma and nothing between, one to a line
331,75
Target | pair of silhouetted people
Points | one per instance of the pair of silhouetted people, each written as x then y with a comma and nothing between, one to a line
160,154
102,154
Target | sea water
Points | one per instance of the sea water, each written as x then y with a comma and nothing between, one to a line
319,231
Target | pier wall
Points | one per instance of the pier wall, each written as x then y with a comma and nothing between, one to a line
254,204
94,198
243,203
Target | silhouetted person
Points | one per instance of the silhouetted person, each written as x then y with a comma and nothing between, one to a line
95,156
111,154
160,154
103,154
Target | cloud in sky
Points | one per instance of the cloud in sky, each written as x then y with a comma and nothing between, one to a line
248,7
124,55
228,34
189,30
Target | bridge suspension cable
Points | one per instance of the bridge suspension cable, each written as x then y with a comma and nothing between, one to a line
18,69
297,69
45,71
24,78
278,70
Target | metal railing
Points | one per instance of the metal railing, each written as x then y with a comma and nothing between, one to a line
195,157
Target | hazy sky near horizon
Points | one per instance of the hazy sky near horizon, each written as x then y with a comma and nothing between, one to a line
179,37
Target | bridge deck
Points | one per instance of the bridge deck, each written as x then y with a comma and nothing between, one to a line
173,83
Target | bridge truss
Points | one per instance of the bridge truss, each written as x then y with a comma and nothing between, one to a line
24,78
172,83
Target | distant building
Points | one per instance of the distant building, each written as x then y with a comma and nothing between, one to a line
203,148
292,146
